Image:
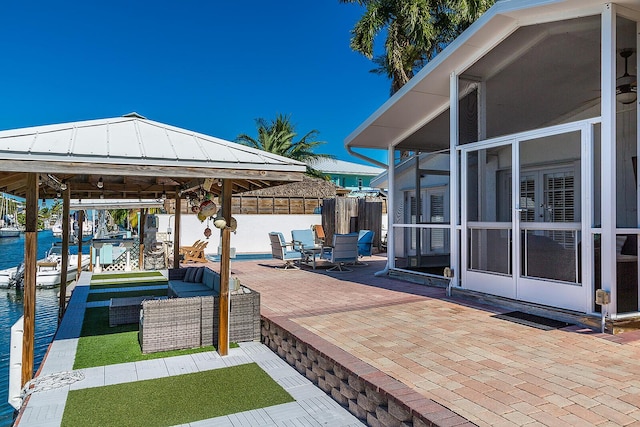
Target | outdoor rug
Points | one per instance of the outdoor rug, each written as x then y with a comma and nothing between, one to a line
532,320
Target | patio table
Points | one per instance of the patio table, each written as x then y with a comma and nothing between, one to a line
126,310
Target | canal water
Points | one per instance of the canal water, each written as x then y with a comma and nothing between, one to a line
12,254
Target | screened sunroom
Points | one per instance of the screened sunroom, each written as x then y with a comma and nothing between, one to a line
526,187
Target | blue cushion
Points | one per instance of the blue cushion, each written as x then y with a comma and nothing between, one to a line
199,274
208,277
190,275
303,239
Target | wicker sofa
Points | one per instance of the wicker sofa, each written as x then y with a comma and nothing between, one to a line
192,321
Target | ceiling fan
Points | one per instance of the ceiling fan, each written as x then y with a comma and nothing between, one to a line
627,84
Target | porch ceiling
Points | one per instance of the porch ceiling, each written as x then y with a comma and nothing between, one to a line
135,158
554,44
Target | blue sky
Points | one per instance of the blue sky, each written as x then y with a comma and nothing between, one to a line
207,66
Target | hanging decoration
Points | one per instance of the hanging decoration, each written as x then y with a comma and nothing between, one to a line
207,231
233,224
219,221
200,201
208,208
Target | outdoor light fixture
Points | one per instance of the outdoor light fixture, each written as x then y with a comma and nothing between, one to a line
44,202
63,185
100,183
626,85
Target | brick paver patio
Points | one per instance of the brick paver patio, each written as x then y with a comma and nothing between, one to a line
490,371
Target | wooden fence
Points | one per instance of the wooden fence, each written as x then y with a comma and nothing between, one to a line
350,215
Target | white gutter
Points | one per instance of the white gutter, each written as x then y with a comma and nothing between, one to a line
365,158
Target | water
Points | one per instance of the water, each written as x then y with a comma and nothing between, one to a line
243,257
11,254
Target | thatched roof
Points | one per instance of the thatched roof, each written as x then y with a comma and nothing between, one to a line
308,187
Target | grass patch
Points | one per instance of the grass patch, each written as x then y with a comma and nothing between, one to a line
132,275
120,347
106,296
115,285
175,400
101,345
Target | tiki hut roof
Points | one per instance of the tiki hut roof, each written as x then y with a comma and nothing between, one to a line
308,187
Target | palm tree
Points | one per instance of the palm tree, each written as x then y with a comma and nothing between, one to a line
416,31
277,137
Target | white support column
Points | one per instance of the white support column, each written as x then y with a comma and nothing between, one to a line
637,137
586,212
608,164
391,240
454,179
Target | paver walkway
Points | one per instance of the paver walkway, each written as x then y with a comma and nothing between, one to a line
491,371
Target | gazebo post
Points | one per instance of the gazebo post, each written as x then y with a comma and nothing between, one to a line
141,237
29,283
80,228
223,324
65,253
176,232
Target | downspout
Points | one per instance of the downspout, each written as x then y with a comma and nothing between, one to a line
390,179
390,209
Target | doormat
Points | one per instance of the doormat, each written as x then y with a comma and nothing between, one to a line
532,320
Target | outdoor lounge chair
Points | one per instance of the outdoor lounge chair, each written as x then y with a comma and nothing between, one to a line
279,251
304,241
194,253
318,230
344,250
365,244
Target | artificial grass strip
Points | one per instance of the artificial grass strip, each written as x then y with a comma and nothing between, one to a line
175,400
132,275
120,347
106,296
96,323
101,345
114,285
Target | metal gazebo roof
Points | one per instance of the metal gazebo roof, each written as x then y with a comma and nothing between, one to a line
134,158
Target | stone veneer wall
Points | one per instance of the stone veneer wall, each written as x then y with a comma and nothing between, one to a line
371,395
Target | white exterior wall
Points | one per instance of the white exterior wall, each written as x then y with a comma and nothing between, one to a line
252,233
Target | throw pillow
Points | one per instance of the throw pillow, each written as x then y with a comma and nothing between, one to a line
198,275
190,274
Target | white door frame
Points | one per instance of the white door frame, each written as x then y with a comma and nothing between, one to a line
558,294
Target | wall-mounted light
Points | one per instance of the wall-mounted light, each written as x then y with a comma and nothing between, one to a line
100,183
63,186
